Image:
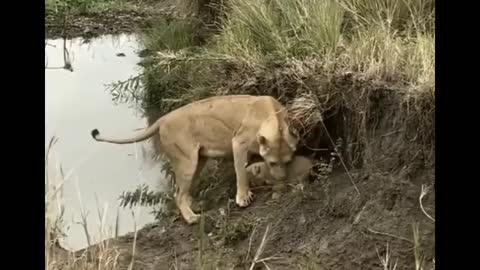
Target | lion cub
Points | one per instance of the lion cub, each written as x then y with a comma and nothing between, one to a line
298,170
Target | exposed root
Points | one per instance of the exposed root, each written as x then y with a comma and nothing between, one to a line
391,235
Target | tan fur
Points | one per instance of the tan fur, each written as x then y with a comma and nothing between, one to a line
298,171
224,126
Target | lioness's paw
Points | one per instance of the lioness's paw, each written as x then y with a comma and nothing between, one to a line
244,200
193,219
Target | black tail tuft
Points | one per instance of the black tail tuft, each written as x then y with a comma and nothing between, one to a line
95,133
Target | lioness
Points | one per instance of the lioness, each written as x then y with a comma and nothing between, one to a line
224,126
298,171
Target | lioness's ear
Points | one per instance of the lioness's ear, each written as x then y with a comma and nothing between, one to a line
293,147
261,140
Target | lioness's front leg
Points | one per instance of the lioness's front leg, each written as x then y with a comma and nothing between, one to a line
244,196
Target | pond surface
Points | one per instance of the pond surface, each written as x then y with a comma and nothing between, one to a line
77,102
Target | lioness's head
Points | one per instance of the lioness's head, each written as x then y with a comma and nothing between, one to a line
277,153
277,144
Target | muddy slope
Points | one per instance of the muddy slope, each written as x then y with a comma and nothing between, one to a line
313,229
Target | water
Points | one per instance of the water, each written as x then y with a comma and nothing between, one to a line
77,102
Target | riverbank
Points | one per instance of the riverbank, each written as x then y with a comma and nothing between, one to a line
89,19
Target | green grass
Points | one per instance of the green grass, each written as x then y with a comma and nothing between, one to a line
284,28
381,39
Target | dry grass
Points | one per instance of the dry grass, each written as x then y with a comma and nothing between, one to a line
305,112
386,261
420,260
261,248
424,192
419,256
101,254
56,257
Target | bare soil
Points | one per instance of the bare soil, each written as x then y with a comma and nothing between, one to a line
313,229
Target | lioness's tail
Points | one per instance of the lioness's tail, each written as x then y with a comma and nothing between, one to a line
140,137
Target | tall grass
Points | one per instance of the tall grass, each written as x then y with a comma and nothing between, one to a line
285,28
100,254
53,207
380,39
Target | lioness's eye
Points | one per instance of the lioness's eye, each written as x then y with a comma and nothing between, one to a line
273,164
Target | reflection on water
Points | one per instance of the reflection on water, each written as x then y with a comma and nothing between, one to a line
76,102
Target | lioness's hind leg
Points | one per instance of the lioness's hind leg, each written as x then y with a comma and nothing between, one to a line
185,170
200,165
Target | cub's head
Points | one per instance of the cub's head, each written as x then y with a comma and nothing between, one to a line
258,171
277,153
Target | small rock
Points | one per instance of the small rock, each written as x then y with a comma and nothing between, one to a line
323,247
302,219
120,54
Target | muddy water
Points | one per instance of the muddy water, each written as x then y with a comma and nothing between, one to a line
97,173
